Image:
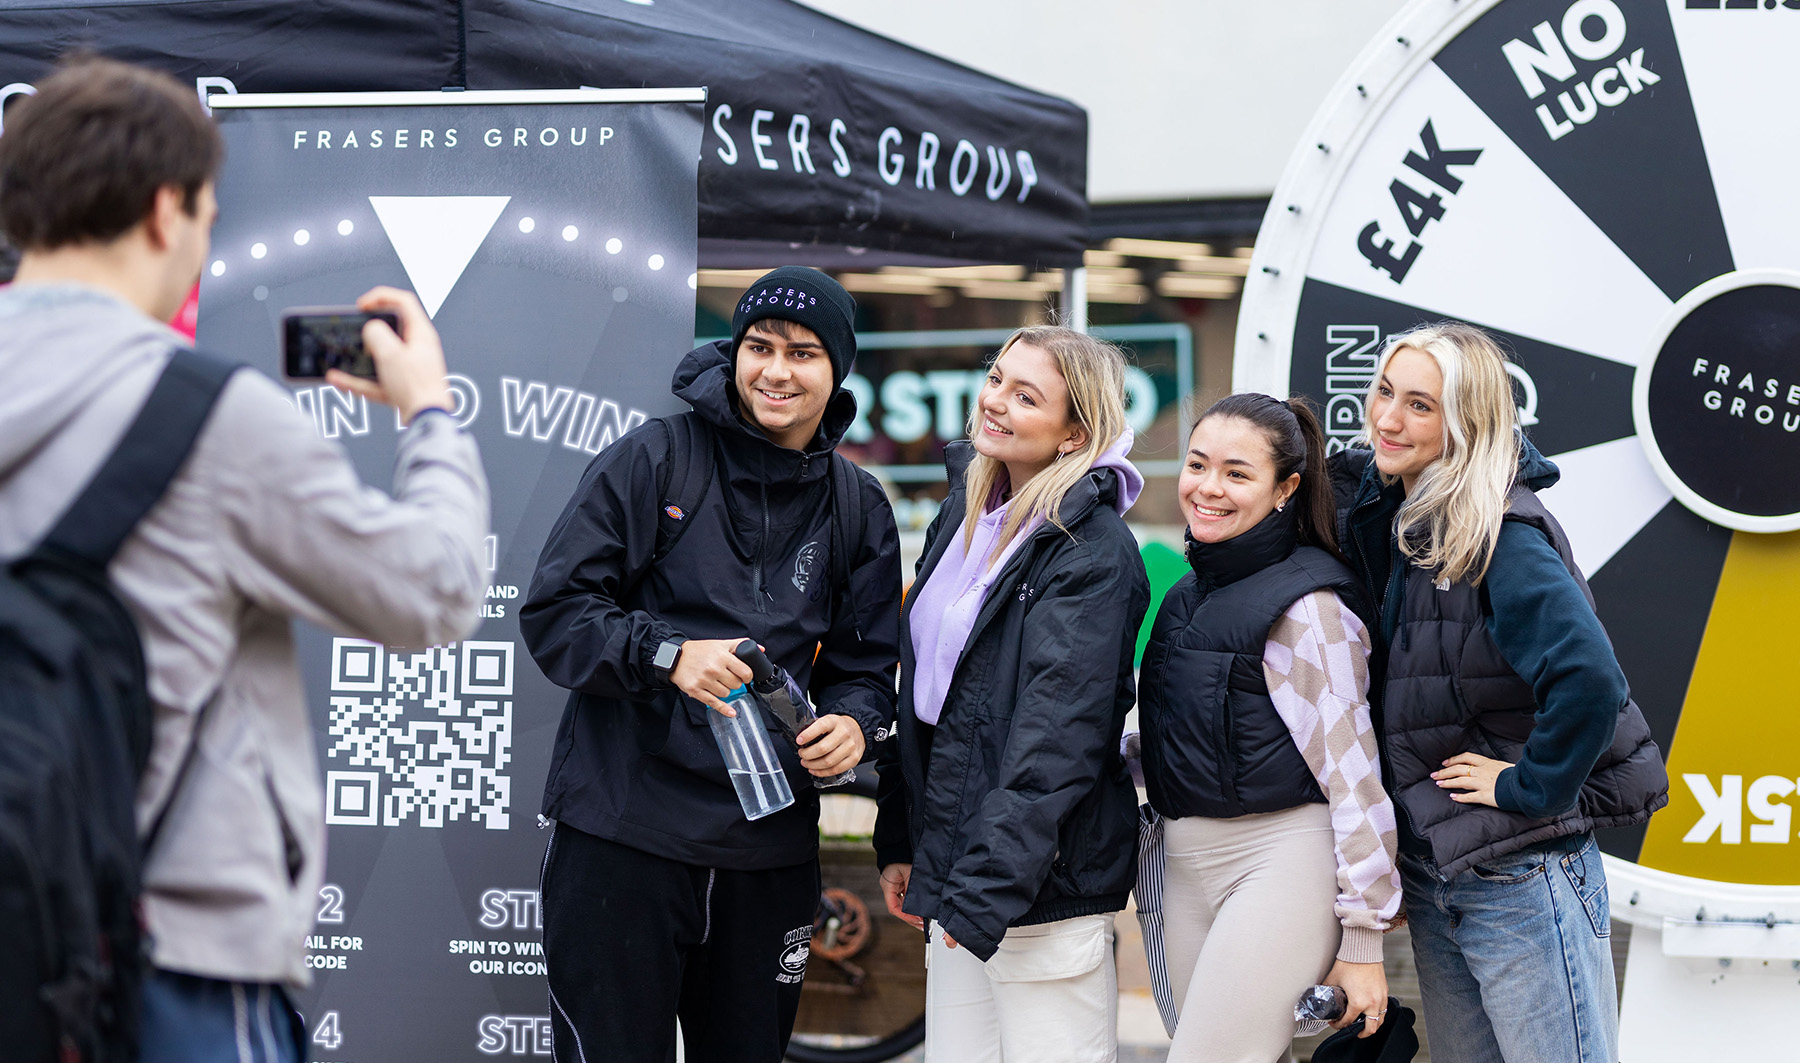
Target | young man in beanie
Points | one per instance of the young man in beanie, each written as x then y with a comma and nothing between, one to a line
661,902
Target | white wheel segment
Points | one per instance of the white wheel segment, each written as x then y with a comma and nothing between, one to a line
1607,493
1511,251
1745,81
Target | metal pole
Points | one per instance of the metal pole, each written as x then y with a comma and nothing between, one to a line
1074,298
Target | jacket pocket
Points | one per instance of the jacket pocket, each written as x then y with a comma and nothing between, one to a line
1096,840
1050,951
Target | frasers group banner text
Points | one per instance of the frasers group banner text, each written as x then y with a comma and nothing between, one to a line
551,237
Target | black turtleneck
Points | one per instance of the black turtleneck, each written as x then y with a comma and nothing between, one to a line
1221,564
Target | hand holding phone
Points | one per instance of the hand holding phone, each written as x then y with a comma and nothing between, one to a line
317,339
409,372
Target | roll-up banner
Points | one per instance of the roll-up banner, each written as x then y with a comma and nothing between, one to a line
551,237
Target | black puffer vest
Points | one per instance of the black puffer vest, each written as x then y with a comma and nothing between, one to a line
1449,690
1213,742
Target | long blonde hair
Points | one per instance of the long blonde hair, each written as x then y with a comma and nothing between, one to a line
1094,371
1451,518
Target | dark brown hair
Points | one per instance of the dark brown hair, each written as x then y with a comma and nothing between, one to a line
1297,442
81,161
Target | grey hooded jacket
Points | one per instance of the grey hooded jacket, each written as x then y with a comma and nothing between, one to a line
266,522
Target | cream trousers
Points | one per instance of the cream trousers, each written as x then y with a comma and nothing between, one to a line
1049,995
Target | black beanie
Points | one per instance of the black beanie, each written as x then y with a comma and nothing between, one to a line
806,297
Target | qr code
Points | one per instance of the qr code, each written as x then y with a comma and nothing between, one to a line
434,727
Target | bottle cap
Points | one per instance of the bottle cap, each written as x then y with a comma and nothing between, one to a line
737,692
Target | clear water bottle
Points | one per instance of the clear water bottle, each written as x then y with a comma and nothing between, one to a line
750,759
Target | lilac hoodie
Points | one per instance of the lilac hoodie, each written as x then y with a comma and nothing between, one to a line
948,601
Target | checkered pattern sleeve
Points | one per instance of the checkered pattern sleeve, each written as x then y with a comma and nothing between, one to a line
1317,666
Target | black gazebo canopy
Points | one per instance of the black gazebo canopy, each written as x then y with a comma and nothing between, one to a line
819,134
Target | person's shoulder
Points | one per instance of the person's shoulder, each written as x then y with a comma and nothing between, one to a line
647,445
1349,462
1522,537
1103,541
1346,470
1526,566
253,406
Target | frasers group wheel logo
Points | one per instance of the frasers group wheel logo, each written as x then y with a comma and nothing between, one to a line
1717,404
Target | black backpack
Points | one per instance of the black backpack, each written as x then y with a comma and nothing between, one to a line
75,719
688,475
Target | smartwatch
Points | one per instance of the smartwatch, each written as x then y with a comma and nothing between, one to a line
666,656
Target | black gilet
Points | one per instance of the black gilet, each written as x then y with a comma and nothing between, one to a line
1449,690
1213,744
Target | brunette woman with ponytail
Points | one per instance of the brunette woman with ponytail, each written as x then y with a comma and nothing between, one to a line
1278,841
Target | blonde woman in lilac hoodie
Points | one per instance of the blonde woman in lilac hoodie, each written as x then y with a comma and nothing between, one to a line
1008,823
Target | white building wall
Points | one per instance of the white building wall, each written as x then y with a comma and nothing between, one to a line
1185,98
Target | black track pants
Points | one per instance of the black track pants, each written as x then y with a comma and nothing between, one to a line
634,941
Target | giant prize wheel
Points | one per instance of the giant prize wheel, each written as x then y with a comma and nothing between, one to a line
1613,187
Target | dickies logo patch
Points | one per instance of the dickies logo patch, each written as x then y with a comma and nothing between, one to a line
674,512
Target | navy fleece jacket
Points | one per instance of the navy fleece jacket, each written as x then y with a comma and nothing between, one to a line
1550,636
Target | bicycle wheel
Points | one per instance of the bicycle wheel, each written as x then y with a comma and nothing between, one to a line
863,1000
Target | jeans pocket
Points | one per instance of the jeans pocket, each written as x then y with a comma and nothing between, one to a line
1587,877
1510,870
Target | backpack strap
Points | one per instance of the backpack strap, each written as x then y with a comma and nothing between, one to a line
148,456
683,479
687,475
850,526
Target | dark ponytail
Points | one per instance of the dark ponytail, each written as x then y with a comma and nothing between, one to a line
1297,441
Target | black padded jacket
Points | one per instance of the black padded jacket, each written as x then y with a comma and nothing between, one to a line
1214,743
1017,808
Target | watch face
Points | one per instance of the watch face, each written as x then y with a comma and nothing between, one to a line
666,654
1593,184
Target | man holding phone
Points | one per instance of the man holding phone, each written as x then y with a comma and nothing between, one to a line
106,186
661,902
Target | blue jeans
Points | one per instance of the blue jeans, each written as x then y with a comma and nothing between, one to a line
1515,962
189,1019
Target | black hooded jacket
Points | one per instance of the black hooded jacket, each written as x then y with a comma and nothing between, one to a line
1017,808
635,760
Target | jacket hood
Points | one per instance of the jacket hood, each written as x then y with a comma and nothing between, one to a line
704,381
1535,472
1131,482
61,349
1112,479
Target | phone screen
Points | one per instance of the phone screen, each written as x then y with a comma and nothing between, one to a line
315,340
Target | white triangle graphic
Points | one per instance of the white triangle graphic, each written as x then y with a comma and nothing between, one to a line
436,236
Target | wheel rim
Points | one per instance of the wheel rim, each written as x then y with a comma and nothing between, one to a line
1584,241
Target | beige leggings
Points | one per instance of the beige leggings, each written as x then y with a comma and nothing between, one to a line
1247,926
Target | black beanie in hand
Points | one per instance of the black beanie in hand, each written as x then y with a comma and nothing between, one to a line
806,297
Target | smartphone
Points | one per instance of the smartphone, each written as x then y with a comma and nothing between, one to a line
317,338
